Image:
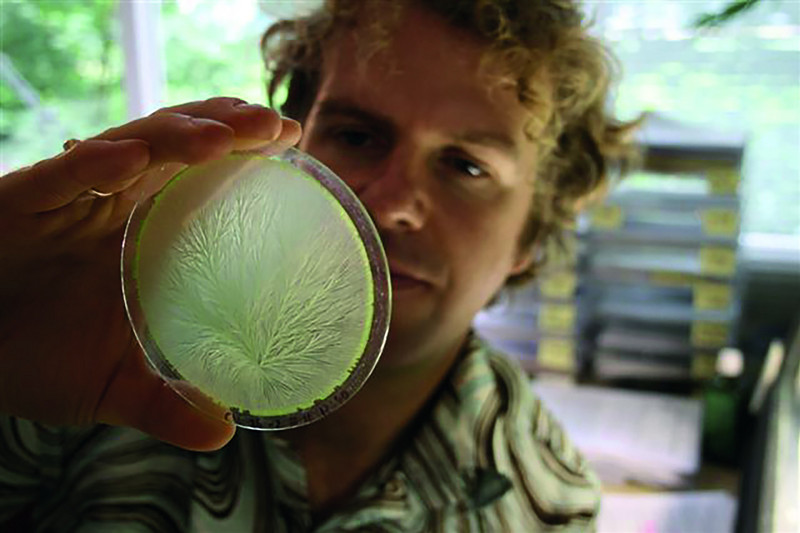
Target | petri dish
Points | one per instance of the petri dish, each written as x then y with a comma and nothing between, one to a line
258,288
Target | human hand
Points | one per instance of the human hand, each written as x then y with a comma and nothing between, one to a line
68,355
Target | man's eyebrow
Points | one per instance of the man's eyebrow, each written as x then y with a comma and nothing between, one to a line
491,139
351,110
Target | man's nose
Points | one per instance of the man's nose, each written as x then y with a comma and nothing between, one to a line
395,194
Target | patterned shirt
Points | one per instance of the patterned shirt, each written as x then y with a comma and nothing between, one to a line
483,455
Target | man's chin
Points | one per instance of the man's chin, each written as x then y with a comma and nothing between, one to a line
405,344
417,341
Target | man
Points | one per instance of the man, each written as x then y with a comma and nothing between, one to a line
470,131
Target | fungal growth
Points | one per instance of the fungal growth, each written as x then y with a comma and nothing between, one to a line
255,284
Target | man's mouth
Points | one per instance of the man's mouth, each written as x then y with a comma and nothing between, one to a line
403,283
403,279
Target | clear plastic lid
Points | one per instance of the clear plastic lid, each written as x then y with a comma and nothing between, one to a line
258,288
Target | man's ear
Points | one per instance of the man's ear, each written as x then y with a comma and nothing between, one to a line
523,260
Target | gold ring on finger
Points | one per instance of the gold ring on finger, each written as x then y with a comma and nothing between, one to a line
68,145
98,194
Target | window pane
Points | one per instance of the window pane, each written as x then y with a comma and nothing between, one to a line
745,75
61,70
212,49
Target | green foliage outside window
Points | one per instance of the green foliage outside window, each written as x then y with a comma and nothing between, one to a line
69,55
212,49
68,58
61,48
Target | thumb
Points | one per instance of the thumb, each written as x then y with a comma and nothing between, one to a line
139,398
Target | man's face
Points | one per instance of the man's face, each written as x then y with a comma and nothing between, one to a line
441,163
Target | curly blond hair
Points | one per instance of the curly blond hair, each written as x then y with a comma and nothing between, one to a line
580,144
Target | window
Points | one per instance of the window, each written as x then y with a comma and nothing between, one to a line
744,75
61,70
212,49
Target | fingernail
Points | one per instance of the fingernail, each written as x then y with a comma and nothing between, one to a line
248,105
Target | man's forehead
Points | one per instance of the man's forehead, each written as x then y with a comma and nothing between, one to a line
396,41
423,61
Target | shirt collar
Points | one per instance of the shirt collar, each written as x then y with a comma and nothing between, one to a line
453,416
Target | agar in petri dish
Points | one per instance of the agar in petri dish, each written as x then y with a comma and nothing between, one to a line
258,288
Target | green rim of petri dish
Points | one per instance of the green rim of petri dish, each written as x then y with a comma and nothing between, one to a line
200,384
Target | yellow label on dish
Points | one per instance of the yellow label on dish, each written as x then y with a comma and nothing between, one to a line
608,217
717,261
709,295
720,222
723,180
671,279
709,334
558,318
704,365
559,284
556,354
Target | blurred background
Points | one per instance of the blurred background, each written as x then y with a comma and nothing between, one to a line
674,306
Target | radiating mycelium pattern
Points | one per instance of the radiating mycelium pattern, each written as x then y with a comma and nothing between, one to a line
264,299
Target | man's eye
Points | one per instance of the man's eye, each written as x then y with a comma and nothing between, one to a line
354,138
465,167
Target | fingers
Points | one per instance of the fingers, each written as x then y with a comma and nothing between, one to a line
138,158
170,133
138,398
58,181
154,180
251,123
289,136
174,137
